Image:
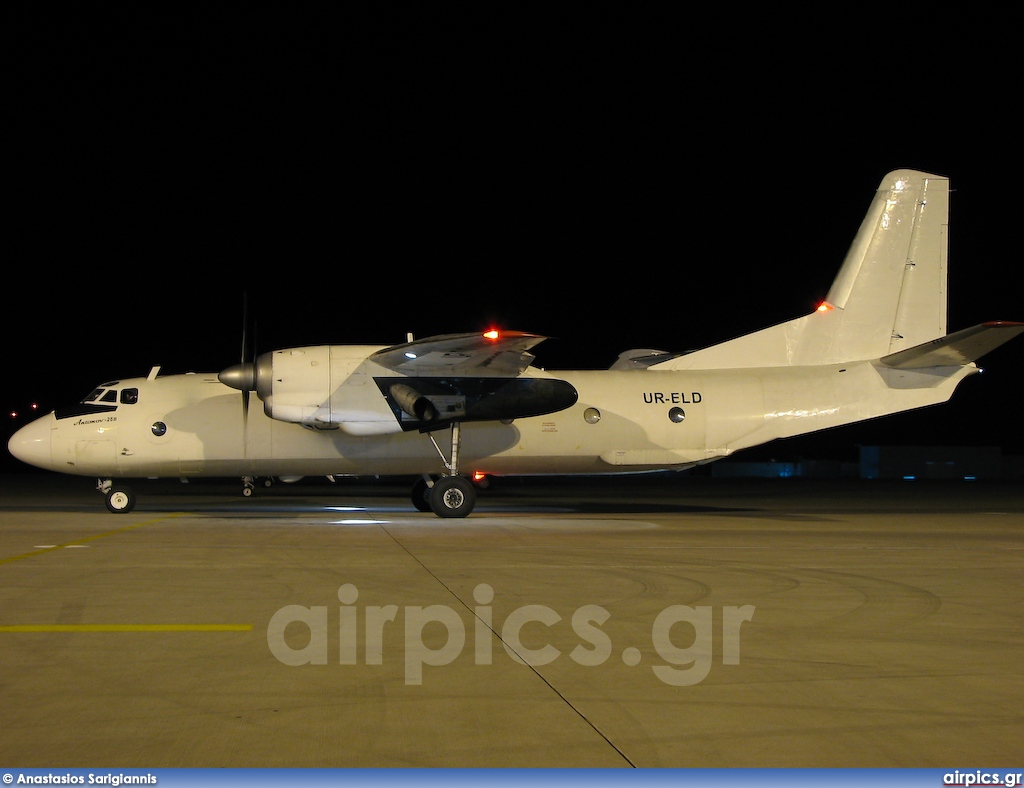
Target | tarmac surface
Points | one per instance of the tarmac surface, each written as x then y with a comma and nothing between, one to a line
683,622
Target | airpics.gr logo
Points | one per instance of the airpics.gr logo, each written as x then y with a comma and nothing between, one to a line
684,666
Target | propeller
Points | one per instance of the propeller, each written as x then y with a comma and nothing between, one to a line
242,376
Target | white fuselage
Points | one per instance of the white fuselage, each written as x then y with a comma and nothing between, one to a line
624,421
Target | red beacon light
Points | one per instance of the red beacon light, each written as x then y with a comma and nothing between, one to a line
825,306
492,334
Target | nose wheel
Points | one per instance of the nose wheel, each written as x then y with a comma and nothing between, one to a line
119,498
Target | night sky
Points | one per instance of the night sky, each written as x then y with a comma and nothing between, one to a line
605,196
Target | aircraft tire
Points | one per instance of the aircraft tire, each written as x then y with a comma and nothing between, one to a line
421,496
452,496
120,500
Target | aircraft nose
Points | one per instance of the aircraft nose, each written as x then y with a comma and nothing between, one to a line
31,444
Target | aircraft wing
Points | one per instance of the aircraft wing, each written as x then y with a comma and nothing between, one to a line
503,354
467,377
960,347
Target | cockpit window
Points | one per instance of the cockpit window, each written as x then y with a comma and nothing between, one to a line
107,392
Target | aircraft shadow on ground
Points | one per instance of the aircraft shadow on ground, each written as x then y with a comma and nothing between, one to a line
224,499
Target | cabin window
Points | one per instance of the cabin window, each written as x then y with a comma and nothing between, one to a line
129,396
159,428
677,415
591,415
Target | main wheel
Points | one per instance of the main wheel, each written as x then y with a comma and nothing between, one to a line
120,500
452,496
421,495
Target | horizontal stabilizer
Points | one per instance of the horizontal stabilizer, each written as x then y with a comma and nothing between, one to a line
956,349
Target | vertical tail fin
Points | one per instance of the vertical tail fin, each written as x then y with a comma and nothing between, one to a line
889,295
892,285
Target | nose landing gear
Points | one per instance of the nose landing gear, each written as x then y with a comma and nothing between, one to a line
119,498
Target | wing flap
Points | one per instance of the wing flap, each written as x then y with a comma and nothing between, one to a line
491,354
956,349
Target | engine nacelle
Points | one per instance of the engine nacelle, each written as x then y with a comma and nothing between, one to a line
294,384
322,387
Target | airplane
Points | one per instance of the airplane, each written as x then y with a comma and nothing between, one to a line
432,407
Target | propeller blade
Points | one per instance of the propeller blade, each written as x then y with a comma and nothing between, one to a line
242,376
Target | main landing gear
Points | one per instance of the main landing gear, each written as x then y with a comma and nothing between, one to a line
450,495
445,496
